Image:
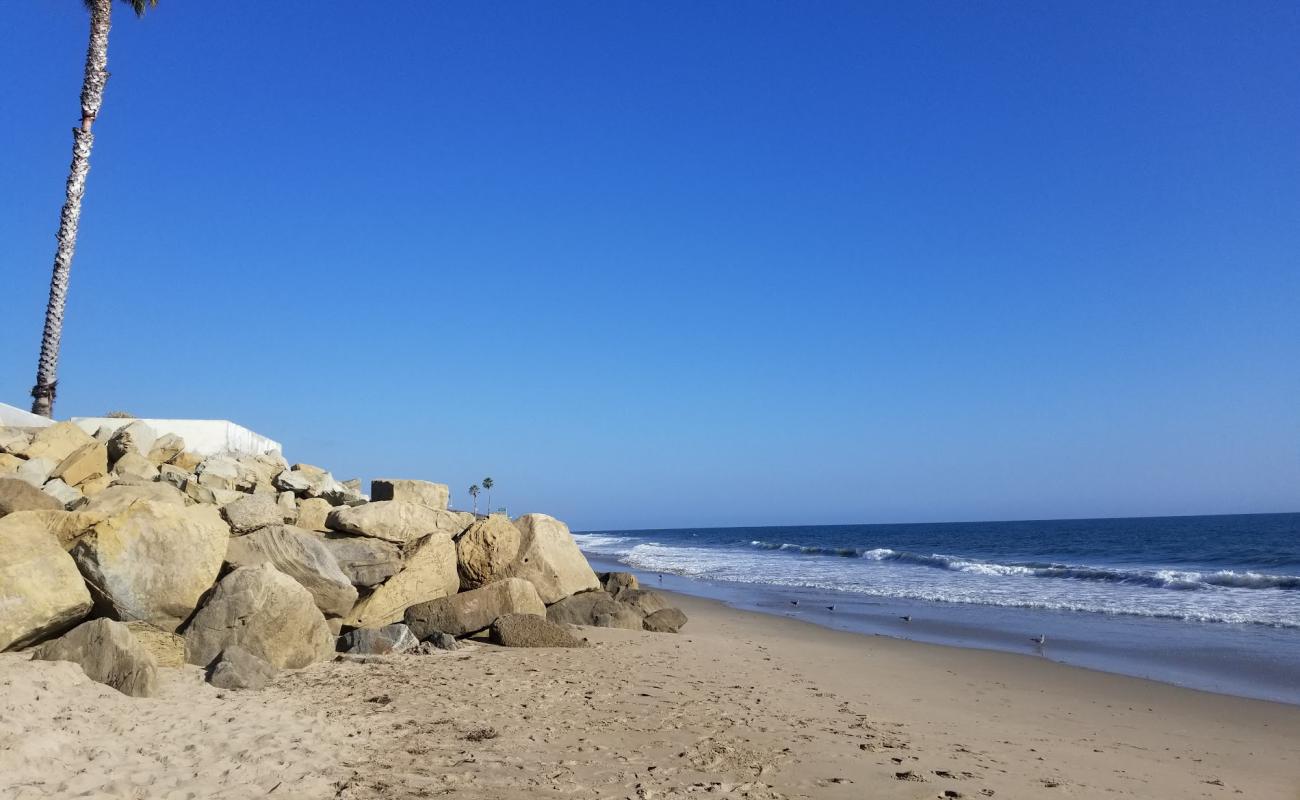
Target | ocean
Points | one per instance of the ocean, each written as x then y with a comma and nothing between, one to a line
1210,603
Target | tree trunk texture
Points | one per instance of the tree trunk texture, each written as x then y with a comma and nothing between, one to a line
92,97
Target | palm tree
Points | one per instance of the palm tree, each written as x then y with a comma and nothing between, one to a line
92,97
473,492
487,485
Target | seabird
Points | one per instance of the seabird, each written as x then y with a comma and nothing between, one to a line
1040,639
830,608
906,618
794,602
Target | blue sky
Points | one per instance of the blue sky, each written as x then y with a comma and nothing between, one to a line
688,264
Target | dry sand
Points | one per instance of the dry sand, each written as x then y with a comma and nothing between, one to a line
741,705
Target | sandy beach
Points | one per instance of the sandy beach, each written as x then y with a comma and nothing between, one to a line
740,704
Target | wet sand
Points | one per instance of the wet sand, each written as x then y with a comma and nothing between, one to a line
739,705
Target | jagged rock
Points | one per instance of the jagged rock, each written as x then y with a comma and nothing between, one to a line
134,437
645,601
14,441
300,555
433,495
19,495
236,668
312,513
87,461
165,449
41,592
473,611
135,465
94,486
36,471
395,521
199,493
550,559
62,492
293,481
167,649
288,507
588,608
107,653
252,511
615,582
390,639
266,613
64,526
117,498
219,472
366,561
224,496
57,442
152,561
439,641
665,620
428,573
527,630
486,550
187,460
169,473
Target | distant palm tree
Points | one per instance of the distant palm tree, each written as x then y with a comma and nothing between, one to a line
473,492
487,485
92,97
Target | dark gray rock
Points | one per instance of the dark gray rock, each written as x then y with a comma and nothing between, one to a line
236,668
527,630
108,653
366,561
645,601
390,639
615,582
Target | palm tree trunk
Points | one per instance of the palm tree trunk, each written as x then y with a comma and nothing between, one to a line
92,97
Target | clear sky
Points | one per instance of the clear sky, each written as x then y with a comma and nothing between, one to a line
694,263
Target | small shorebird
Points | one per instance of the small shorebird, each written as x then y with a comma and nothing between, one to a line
794,602
1040,639
830,608
906,618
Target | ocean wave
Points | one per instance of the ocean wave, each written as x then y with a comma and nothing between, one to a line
1178,580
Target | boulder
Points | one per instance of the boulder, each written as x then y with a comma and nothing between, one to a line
312,513
91,488
236,668
665,620
367,562
440,641
86,462
219,472
293,481
300,555
107,653
433,495
10,464
167,649
470,612
165,449
549,558
119,497
527,630
152,561
615,582
429,573
486,550
395,521
390,639
56,442
135,465
64,526
134,437
587,609
67,496
266,613
168,473
199,493
288,507
252,511
187,460
645,601
41,592
36,471
14,441
223,496
19,495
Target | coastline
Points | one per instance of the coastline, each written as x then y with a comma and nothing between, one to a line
740,704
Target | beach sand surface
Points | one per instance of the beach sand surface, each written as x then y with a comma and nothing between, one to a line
739,705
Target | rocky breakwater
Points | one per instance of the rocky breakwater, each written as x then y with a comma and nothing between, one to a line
128,554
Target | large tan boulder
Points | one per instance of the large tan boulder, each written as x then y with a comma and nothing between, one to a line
433,495
397,521
10,464
86,462
153,561
252,511
19,495
529,630
134,437
13,440
134,465
550,559
486,551
312,513
166,448
57,442
167,648
119,497
473,611
36,471
41,592
300,555
366,561
108,653
266,613
64,526
594,608
429,572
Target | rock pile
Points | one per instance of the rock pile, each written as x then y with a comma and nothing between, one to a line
126,553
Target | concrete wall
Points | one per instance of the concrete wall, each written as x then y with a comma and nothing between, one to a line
17,418
203,436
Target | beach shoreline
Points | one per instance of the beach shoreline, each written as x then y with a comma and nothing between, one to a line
740,704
